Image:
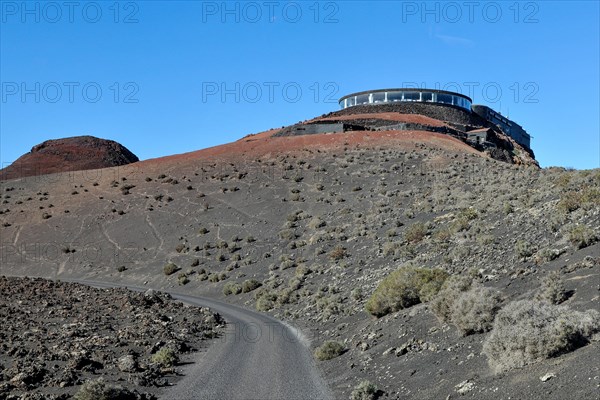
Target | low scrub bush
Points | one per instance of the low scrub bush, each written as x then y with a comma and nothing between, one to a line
165,357
528,331
552,290
338,253
474,310
170,269
364,391
328,350
581,236
416,232
232,288
524,249
405,287
250,285
443,303
100,390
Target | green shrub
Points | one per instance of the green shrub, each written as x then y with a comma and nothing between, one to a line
328,350
416,232
364,391
474,311
232,288
527,331
552,289
165,357
581,236
122,268
170,269
405,287
250,285
183,279
266,301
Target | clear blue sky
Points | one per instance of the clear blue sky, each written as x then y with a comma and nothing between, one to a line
161,68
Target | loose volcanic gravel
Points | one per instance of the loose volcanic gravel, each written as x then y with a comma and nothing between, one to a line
56,336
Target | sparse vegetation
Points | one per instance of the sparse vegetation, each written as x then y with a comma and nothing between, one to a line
528,331
165,357
232,288
329,350
415,232
365,390
405,287
170,269
338,253
581,236
250,285
474,311
99,390
442,304
552,289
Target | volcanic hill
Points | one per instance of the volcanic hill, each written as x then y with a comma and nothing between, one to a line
76,153
352,236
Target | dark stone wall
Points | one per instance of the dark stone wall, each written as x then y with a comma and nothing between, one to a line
449,113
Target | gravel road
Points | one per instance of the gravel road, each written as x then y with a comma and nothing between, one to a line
258,358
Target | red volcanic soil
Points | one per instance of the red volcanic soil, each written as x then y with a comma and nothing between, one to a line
264,144
388,116
69,154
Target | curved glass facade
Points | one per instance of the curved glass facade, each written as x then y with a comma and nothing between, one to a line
408,95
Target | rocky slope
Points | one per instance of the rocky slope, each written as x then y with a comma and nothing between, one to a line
56,336
67,155
309,233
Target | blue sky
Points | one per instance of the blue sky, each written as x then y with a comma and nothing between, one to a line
171,77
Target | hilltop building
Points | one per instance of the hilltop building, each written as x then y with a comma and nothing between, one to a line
444,98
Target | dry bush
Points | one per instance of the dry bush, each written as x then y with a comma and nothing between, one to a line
443,303
170,269
338,253
328,350
524,249
364,391
552,289
405,287
528,331
416,232
581,236
474,311
100,390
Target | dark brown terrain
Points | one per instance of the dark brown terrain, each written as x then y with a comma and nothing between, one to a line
58,335
67,155
307,227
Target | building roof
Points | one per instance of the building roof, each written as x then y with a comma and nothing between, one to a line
405,90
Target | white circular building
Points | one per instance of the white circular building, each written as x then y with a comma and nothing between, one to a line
383,96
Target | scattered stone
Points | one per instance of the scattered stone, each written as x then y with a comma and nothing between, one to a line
465,387
547,377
